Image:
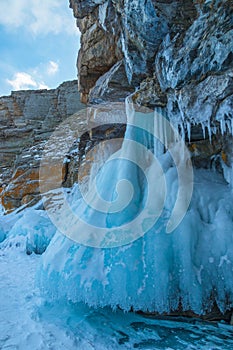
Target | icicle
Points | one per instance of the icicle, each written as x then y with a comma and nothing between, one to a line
129,109
228,124
176,133
222,126
209,131
180,108
169,132
188,126
159,144
127,59
203,130
163,131
214,130
182,131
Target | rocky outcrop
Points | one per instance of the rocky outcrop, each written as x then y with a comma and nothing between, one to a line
27,119
100,41
102,135
144,25
177,55
171,54
113,86
197,72
112,29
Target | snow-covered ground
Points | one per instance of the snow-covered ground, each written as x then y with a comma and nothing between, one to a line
27,321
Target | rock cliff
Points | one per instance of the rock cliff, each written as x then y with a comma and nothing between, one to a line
171,54
175,54
27,119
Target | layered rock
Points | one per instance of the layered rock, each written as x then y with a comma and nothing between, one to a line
100,45
27,119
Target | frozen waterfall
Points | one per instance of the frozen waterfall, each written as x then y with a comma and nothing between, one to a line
147,234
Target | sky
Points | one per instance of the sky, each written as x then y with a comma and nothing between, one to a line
39,44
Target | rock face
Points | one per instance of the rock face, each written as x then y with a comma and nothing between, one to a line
27,119
177,54
197,72
100,44
113,86
97,127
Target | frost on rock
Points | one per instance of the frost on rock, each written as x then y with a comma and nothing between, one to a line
194,70
191,267
140,22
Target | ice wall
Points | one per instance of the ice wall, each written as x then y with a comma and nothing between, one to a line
136,263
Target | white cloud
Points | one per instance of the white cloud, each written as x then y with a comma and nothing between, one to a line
25,81
53,68
38,16
35,78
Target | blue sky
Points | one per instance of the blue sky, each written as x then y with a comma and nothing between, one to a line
39,43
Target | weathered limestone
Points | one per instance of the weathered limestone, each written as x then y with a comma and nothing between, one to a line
100,45
27,119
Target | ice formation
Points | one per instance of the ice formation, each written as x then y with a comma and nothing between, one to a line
31,229
2,233
151,269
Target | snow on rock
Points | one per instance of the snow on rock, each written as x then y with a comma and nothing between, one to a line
26,122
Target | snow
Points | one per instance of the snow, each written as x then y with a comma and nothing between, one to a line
27,321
